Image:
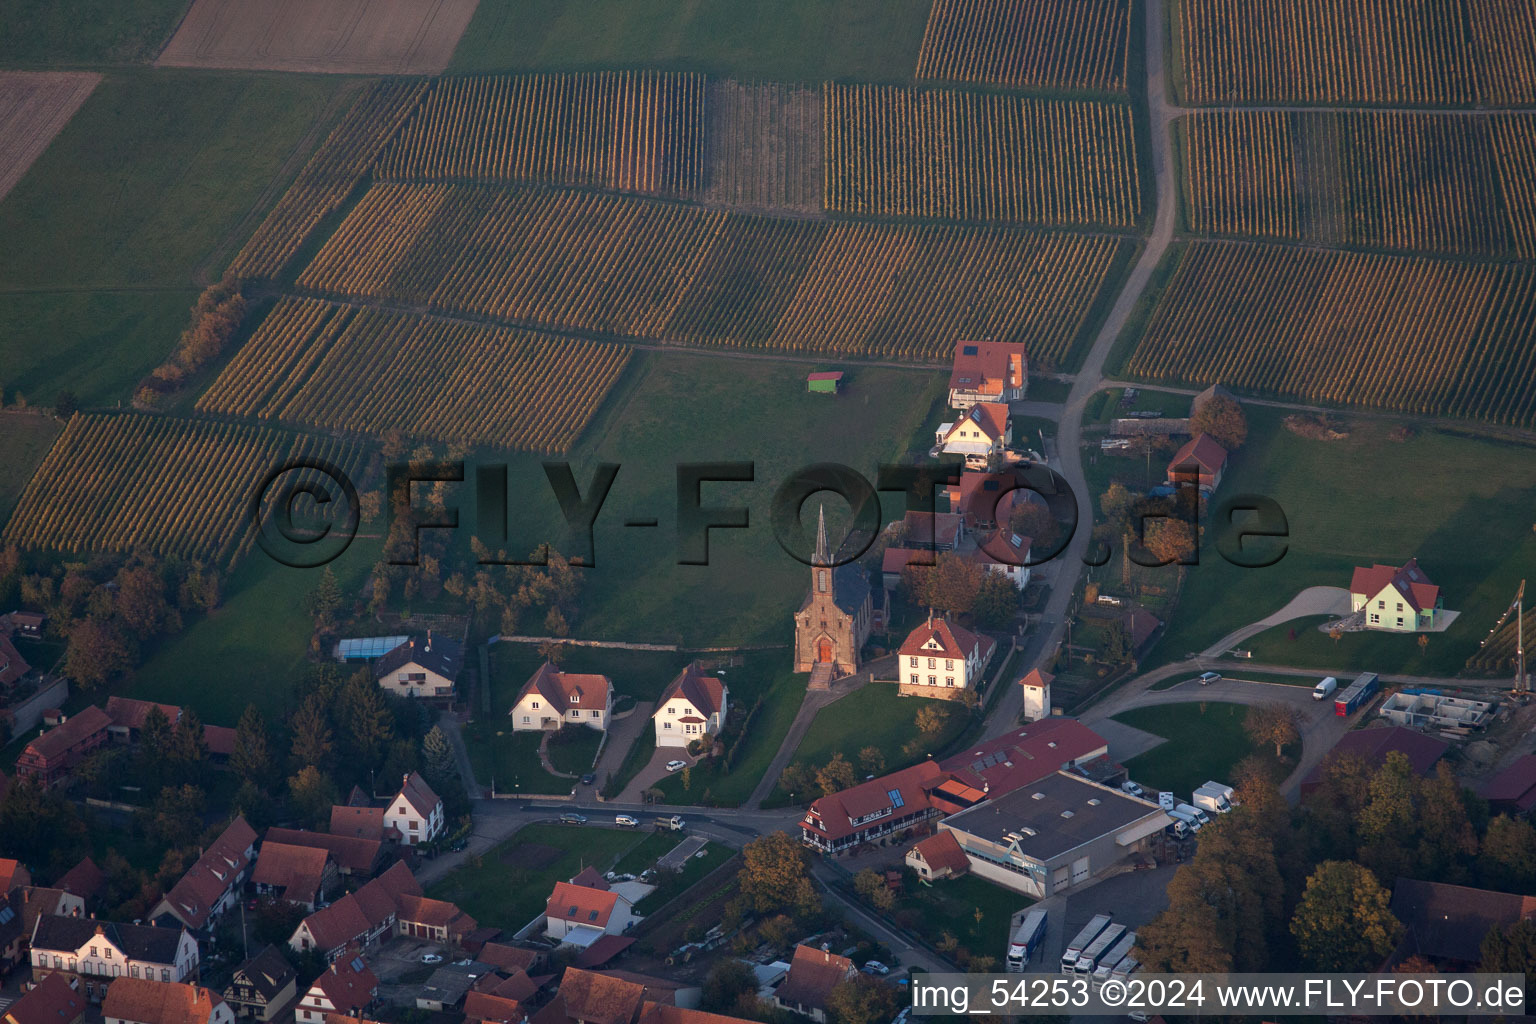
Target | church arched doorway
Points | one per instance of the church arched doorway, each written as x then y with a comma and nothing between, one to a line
824,649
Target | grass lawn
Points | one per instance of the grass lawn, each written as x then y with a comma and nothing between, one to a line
67,33
951,905
1462,505
782,40
875,716
1361,652
150,175
252,649
510,760
509,884
677,882
575,754
24,440
96,344
766,675
651,848
640,674
1205,741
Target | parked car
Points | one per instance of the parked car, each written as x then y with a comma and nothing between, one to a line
1207,678
572,818
431,958
674,823
626,820
676,766
1130,787
876,967
458,845
588,779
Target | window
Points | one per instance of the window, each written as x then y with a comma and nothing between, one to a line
1375,618
535,705
914,663
933,680
949,680
93,951
1381,604
526,720
415,825
949,663
666,725
913,678
821,581
574,698
597,714
133,971
896,800
671,710
108,952
1399,606
933,663
165,974
58,961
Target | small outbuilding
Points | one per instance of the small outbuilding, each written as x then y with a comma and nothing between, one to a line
828,382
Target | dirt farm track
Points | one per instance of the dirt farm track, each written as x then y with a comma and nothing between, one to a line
406,37
34,106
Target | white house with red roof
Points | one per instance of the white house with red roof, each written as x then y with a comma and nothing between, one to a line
981,434
692,705
1036,685
415,812
1004,553
551,698
347,987
872,811
941,659
1201,461
579,915
213,884
1397,598
988,371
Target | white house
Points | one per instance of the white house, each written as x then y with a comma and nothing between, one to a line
692,705
213,884
940,659
1397,599
95,952
423,668
415,812
579,915
140,1001
1004,552
982,433
988,371
1036,686
551,698
347,987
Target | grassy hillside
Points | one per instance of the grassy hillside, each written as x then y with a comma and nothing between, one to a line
784,40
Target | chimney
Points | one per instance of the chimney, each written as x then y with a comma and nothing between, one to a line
429,639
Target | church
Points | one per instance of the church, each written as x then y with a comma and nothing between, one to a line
837,615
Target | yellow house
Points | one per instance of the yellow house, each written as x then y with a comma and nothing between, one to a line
1396,599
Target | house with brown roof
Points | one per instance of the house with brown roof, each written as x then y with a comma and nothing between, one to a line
422,668
359,919
415,813
144,1001
1006,554
13,875
360,823
94,951
942,660
262,986
1374,746
1514,789
1036,684
1199,461
694,704
511,959
579,915
813,974
938,856
354,856
1447,923
30,904
987,371
85,879
1399,599
12,665
981,435
129,714
1025,755
872,811
932,531
435,920
53,1000
551,699
301,875
985,501
346,987
213,884
51,757
482,1007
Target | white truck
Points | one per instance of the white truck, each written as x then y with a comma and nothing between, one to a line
1194,812
1082,941
1088,959
1105,965
1214,797
1021,948
1180,813
1324,688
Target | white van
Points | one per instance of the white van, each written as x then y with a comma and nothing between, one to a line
1324,688
1190,821
1194,812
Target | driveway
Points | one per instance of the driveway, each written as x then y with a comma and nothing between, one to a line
622,734
1125,741
1312,601
654,771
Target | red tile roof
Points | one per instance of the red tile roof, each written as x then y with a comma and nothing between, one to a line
508,958
940,528
666,1013
13,875
433,914
589,877
594,999
1025,755
129,712
1374,745
896,560
703,691
1515,785
61,739
832,816
988,366
1036,677
483,1006
813,974
348,984
604,950
1408,579
297,870
159,1002
825,375
12,665
1003,547
359,912
939,638
581,905
52,1001
567,690
357,822
220,739
216,872
351,853
85,879
991,418
987,497
418,794
942,852
1203,451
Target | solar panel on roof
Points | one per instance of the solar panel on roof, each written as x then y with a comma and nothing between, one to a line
969,350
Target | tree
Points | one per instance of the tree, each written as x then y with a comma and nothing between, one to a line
1272,723
311,730
950,584
252,756
38,825
154,746
1511,950
188,750
1171,540
1508,859
1116,503
862,1000
774,878
872,760
96,653
325,600
1343,922
996,601
437,756
1033,519
728,981
1117,643
176,817
870,884
141,599
797,778
367,726
1222,419
836,775
312,795
253,801
930,720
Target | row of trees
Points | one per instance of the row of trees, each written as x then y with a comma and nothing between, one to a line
215,319
802,780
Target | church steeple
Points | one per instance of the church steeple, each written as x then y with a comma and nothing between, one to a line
823,555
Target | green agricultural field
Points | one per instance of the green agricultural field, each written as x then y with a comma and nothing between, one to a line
1205,741
151,176
70,33
24,440
782,40
96,344
1461,504
506,886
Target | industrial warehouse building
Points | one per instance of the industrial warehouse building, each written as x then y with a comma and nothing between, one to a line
1055,834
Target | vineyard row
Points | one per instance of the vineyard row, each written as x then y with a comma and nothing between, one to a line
1028,44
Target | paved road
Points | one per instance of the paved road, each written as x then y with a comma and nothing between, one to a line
1311,601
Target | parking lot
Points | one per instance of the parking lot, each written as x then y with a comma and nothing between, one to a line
1133,897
